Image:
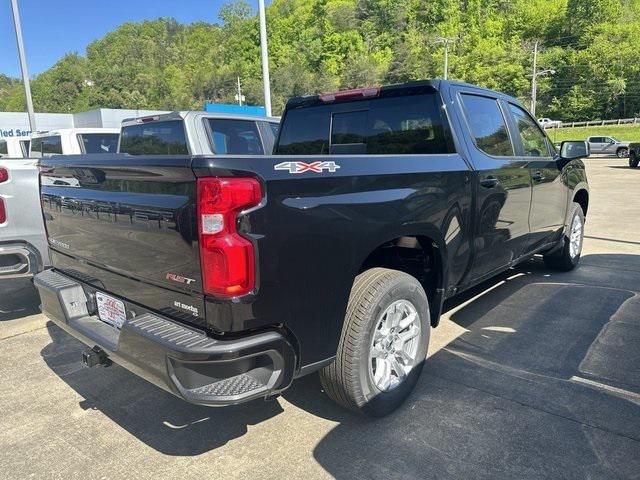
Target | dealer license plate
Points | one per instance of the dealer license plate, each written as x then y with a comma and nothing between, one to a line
111,310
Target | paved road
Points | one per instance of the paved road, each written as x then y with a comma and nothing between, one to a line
533,375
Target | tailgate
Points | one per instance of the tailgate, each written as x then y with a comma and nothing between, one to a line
127,225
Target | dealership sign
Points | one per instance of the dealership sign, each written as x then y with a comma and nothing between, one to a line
14,132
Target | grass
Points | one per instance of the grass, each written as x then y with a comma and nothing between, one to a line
620,132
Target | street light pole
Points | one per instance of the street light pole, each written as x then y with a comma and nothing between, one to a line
534,79
445,41
23,65
265,57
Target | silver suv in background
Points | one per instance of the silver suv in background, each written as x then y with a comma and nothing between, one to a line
198,133
608,146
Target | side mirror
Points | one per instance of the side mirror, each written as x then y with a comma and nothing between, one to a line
571,149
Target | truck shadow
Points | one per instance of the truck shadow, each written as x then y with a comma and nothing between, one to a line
541,379
155,417
18,299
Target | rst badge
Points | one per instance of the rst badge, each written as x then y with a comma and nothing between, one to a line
179,279
302,167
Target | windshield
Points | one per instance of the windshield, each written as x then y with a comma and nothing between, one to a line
98,142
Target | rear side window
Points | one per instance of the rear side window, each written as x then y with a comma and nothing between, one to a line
411,124
155,138
533,140
275,128
235,137
46,146
487,125
98,142
4,150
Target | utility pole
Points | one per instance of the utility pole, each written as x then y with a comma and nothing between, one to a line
445,41
265,57
239,96
534,79
23,65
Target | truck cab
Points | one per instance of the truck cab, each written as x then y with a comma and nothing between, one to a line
74,141
198,133
11,147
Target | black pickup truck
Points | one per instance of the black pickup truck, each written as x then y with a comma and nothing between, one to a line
221,279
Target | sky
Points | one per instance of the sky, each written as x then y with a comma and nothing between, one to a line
51,28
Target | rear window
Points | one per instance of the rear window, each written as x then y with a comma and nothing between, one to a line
235,137
46,146
4,150
98,142
411,124
156,138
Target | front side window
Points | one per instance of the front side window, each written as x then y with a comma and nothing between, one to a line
46,146
533,140
235,137
395,125
4,150
99,142
154,138
487,125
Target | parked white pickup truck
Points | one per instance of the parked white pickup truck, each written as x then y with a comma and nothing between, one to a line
74,141
11,147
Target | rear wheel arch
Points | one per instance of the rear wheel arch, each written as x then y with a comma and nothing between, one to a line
421,256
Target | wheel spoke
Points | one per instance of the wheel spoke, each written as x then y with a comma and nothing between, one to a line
383,374
397,367
377,352
409,334
393,318
404,357
408,320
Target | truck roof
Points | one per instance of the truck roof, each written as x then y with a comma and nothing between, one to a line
434,84
64,131
185,114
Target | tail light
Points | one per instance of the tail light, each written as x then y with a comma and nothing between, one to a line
227,258
4,176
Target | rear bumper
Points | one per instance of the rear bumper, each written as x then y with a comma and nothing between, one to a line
185,362
18,260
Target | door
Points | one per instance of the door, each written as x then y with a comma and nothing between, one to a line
608,145
503,186
596,144
549,195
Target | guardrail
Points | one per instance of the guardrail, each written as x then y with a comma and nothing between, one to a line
595,123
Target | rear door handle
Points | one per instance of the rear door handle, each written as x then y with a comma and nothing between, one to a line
489,182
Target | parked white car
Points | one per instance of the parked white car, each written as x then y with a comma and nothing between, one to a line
14,147
548,123
74,141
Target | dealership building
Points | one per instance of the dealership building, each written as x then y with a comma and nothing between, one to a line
16,124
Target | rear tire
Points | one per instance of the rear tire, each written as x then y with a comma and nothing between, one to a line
622,152
633,160
566,258
377,364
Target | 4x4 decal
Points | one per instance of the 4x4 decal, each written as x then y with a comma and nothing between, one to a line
301,167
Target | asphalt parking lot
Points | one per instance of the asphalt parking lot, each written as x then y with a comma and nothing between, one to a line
533,375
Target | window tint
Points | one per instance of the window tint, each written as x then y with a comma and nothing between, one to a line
533,140
46,146
99,142
410,124
597,140
487,125
156,138
235,137
4,150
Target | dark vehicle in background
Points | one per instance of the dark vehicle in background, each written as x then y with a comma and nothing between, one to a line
634,154
222,278
198,133
608,146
